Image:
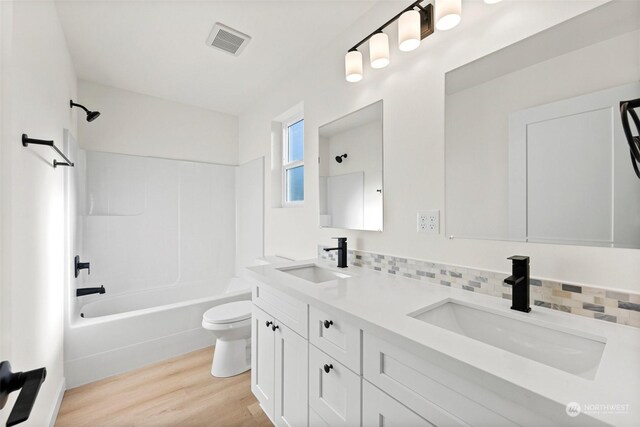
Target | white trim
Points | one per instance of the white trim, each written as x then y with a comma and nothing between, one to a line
53,416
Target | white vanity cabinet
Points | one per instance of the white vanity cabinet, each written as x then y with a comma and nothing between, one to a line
346,376
279,360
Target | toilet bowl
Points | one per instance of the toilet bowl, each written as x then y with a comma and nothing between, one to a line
231,323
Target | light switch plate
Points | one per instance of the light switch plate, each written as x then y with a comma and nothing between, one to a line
429,222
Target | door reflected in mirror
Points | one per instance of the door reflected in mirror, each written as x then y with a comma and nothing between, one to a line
351,190
535,148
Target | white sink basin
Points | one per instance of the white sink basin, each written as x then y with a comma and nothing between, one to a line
314,273
576,353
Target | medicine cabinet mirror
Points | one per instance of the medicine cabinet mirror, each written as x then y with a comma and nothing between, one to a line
535,148
350,157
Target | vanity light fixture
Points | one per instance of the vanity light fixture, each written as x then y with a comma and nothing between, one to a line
448,14
492,1
409,30
415,23
379,50
353,66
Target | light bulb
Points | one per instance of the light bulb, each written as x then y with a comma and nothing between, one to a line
492,1
448,14
409,30
379,50
353,66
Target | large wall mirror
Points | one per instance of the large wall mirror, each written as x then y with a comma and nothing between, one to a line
535,149
351,171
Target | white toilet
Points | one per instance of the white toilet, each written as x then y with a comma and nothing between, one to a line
231,323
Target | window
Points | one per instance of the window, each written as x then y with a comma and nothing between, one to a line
293,162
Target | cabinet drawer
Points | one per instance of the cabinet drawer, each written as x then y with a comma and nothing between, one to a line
334,395
380,410
422,386
286,309
336,337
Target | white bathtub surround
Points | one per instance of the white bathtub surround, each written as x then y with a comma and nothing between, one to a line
471,381
249,213
583,300
121,333
150,223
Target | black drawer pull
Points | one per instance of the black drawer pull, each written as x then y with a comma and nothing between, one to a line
327,368
269,323
328,323
274,327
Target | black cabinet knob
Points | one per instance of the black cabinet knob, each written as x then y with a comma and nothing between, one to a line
327,368
328,323
269,323
274,327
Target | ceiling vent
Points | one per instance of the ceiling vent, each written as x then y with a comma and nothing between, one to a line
227,39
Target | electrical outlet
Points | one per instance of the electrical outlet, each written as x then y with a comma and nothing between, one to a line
429,222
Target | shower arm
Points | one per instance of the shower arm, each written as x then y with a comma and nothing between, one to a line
73,104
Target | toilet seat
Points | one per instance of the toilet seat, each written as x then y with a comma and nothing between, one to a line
228,313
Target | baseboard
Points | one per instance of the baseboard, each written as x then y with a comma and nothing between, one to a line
56,405
98,366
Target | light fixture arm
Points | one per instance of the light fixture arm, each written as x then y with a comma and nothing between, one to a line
426,15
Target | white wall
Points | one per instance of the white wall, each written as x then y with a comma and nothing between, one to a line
412,87
131,123
37,82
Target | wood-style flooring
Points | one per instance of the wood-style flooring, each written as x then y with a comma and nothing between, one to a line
176,392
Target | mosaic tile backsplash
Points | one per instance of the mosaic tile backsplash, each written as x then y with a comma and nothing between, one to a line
583,300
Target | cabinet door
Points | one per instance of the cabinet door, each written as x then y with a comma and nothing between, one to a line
334,395
263,361
291,377
379,410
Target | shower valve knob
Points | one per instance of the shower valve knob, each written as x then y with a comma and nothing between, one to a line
81,266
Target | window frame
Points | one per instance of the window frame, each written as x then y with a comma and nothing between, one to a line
286,165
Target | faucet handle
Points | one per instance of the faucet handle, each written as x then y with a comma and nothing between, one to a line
519,259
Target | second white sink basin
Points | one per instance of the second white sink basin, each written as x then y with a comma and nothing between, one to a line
576,353
314,273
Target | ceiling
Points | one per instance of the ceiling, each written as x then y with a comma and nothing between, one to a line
158,47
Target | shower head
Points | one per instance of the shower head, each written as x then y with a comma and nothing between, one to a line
339,158
91,115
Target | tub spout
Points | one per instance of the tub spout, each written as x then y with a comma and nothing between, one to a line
88,291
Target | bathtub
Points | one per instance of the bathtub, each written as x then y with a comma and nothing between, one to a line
112,335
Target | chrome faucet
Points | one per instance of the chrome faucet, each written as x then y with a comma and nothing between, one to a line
342,251
519,280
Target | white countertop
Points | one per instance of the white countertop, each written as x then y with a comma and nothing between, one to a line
379,303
